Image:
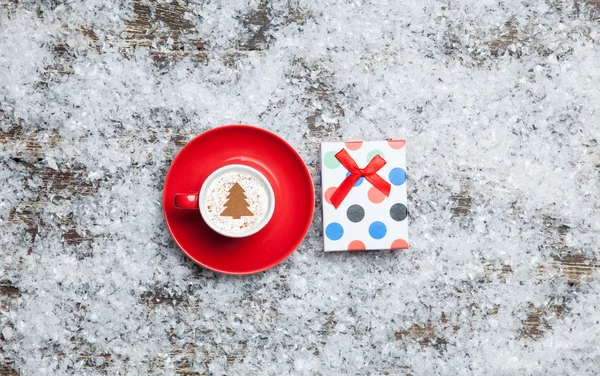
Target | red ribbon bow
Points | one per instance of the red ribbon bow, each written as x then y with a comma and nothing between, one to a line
356,173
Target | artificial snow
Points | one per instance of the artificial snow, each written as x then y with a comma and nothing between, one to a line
512,122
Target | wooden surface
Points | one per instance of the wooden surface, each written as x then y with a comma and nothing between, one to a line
166,22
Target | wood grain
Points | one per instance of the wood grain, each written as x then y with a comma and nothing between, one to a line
324,122
576,267
157,24
161,295
72,177
423,334
7,371
8,289
536,322
258,23
463,202
506,42
163,29
19,142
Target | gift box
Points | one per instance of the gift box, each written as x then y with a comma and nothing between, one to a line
364,195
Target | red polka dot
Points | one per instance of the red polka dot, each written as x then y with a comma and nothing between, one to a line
375,195
399,244
328,193
356,245
354,145
397,144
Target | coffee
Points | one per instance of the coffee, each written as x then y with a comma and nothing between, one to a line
236,202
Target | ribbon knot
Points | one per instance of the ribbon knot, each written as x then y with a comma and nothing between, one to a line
369,173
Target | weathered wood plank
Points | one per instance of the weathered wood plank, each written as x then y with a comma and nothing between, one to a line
5,370
493,272
69,177
536,322
576,267
463,202
29,145
69,180
162,25
424,335
50,184
7,288
260,21
19,142
163,28
506,42
161,296
324,122
30,215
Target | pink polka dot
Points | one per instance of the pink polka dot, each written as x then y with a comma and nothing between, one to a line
397,144
399,244
328,193
356,245
375,195
354,145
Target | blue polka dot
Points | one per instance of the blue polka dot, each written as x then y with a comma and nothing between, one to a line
397,176
377,230
359,182
334,231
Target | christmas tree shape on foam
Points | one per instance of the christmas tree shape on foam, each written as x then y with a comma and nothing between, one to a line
236,205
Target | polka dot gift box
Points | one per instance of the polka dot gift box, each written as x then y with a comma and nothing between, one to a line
364,195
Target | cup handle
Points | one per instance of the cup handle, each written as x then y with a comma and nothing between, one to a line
186,201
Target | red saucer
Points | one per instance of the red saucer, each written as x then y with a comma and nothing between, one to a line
278,162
